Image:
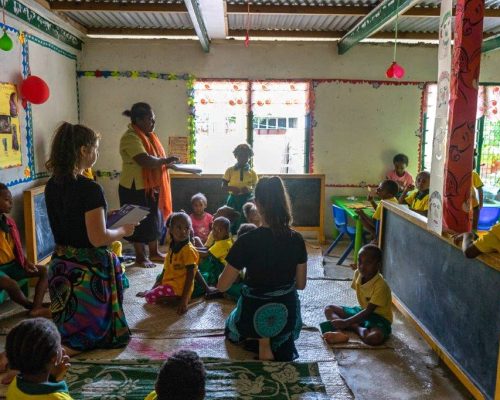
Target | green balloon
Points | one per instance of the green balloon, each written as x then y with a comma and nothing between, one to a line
6,43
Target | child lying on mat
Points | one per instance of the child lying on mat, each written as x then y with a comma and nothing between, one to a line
372,321
181,266
181,377
34,349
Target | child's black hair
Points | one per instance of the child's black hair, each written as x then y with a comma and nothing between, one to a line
182,377
3,187
403,158
230,213
31,344
243,148
247,207
223,221
178,215
244,228
138,111
374,251
391,187
199,196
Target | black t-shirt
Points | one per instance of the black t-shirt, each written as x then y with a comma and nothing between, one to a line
269,261
67,202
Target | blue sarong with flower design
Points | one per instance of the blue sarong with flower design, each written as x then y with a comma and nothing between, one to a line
268,313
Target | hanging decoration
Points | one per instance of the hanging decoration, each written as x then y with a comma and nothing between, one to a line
247,36
6,43
35,90
395,70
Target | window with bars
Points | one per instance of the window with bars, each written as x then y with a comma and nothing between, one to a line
278,131
487,134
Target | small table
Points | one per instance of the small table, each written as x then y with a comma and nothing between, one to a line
350,204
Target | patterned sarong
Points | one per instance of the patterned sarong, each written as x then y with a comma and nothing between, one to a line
86,294
273,314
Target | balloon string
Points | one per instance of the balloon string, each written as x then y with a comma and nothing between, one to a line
396,35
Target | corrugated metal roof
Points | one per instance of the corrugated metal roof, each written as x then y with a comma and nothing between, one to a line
107,19
292,22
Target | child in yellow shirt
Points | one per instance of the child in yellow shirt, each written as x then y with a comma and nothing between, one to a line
373,318
34,348
418,199
488,243
386,190
182,376
181,264
476,199
239,181
13,264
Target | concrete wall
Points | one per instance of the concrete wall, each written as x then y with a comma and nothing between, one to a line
59,72
358,129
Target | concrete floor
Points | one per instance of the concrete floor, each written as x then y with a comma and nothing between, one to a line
409,370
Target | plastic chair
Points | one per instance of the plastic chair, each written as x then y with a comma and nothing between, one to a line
488,216
340,220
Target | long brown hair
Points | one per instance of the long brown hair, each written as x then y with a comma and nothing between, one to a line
274,204
65,149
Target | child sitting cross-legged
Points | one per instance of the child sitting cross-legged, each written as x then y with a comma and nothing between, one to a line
386,190
182,377
34,349
181,266
372,319
13,264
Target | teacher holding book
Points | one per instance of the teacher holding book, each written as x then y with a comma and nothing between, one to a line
145,181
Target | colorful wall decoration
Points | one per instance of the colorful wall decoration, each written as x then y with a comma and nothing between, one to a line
10,127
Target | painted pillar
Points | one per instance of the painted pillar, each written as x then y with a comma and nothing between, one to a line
462,114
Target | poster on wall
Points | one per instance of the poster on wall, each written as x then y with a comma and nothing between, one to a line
435,215
178,146
10,128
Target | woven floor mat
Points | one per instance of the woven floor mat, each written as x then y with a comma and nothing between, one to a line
320,293
337,272
310,345
314,262
356,343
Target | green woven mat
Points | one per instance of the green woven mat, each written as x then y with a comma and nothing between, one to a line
225,380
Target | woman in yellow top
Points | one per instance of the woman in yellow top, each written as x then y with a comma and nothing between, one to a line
239,181
144,181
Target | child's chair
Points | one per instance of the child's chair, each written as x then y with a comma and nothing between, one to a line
488,216
340,220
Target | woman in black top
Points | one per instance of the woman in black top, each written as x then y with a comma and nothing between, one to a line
275,259
85,279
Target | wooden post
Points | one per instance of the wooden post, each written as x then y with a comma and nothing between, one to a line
462,114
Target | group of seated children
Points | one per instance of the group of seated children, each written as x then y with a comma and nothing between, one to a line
34,349
197,246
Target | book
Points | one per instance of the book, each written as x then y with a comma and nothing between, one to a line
127,214
190,168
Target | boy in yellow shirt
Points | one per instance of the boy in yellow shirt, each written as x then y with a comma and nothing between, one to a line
476,200
373,318
386,190
488,243
418,199
182,376
13,264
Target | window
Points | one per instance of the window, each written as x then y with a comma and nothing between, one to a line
277,132
487,133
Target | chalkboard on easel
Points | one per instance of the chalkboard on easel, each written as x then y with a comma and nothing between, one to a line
455,299
307,193
39,239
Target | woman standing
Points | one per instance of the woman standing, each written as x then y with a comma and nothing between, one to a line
144,181
275,259
85,279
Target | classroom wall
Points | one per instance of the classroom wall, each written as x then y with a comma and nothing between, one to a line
55,63
358,126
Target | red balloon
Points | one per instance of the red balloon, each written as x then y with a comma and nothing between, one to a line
35,90
390,71
398,70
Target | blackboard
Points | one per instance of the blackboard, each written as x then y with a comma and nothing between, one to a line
307,193
456,299
39,239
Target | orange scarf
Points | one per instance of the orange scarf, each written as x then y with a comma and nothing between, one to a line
156,178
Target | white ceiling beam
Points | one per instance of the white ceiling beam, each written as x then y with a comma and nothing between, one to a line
214,15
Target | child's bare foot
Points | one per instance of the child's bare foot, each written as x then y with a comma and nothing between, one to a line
4,362
40,312
265,352
9,376
144,264
158,257
335,337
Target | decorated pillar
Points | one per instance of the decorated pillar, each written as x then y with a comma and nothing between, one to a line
462,114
